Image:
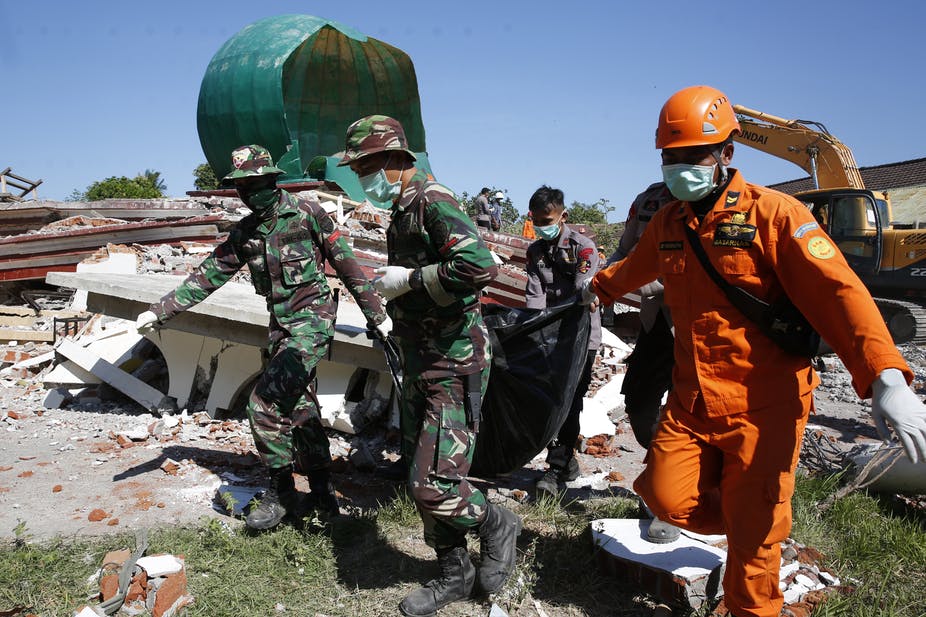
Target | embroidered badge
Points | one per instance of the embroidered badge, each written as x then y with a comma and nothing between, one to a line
732,234
803,229
820,247
732,198
584,266
738,217
291,237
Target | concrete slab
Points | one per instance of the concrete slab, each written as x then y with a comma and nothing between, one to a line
115,262
148,397
213,351
594,419
684,572
234,313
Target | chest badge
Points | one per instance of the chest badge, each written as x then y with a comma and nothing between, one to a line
735,233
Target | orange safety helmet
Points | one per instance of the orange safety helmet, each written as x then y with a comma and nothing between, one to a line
695,116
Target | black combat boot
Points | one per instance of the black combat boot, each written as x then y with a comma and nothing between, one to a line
278,500
571,472
457,576
499,547
548,486
322,496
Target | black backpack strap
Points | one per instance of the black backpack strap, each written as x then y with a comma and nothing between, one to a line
751,306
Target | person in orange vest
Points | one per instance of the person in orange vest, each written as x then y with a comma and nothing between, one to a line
528,230
723,457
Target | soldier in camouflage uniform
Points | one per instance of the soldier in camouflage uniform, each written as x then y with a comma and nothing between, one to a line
437,267
284,242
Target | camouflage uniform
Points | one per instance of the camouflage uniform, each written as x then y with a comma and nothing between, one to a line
443,339
285,250
441,335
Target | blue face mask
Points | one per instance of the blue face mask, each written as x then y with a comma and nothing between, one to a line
378,188
689,182
548,232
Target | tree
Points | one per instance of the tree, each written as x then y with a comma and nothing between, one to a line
204,178
511,218
142,186
590,214
154,177
595,216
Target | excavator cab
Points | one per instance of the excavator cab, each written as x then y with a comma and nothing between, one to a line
853,219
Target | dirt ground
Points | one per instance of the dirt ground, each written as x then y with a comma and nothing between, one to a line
95,468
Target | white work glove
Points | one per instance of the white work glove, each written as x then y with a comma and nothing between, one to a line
146,322
894,403
384,328
392,281
587,295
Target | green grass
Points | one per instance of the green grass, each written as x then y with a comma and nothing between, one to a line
871,544
365,564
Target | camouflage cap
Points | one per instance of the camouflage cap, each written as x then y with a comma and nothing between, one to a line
372,134
251,160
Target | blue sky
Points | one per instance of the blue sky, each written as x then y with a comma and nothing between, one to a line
513,94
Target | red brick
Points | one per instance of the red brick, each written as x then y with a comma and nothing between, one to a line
173,587
116,558
14,356
97,515
109,586
138,588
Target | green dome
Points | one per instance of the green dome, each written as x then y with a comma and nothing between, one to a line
293,84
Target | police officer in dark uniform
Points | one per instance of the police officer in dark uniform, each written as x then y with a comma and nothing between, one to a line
558,265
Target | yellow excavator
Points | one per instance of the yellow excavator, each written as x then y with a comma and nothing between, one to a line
891,261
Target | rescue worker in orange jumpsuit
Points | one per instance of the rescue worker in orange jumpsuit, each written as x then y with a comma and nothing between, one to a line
724,453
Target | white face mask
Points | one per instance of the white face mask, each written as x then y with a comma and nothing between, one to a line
689,182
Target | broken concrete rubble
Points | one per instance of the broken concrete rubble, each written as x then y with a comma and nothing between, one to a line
689,571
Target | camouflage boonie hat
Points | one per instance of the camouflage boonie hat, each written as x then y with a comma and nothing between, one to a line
373,134
251,160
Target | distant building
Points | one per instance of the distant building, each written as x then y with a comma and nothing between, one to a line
905,183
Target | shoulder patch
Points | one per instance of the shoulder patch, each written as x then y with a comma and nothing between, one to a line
325,223
820,247
803,229
586,253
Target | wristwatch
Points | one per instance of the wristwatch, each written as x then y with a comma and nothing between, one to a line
415,281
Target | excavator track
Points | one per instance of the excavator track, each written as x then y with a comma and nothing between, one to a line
906,321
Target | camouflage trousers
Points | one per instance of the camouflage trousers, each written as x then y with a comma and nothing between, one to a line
439,443
283,410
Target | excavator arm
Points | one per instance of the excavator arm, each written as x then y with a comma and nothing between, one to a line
805,143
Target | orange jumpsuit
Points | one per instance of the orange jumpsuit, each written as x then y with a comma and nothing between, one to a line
724,455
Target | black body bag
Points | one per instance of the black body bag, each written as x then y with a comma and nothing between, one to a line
538,357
